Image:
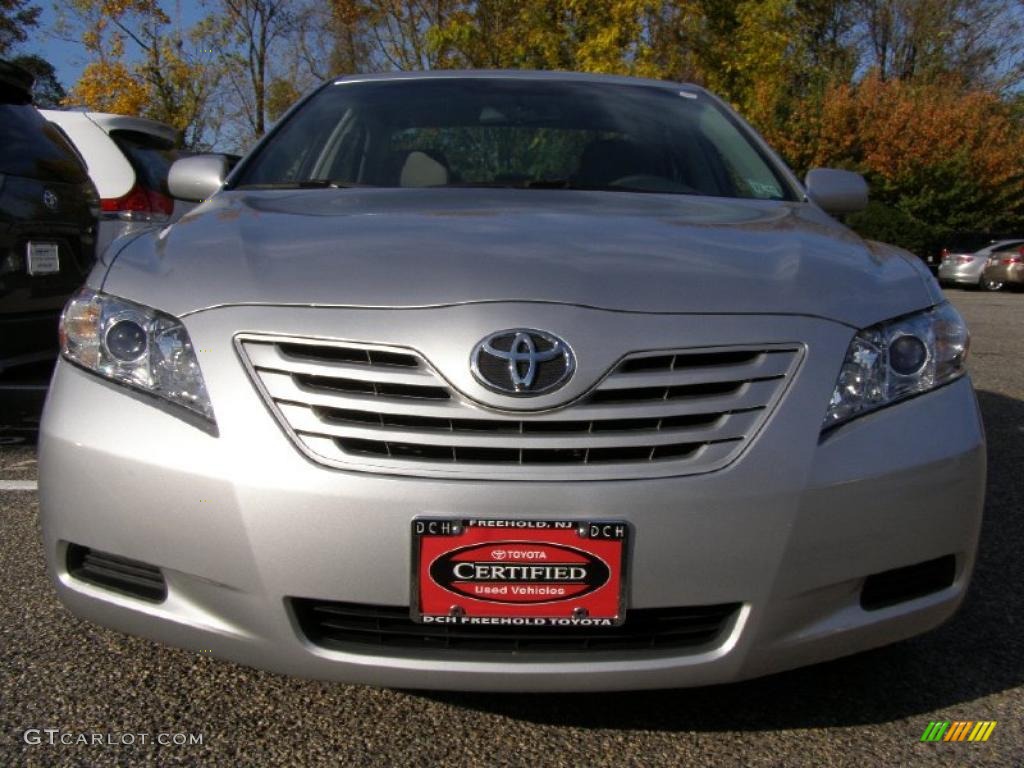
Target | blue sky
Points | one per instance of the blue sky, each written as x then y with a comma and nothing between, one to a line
69,57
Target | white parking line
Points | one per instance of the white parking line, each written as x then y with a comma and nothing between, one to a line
18,485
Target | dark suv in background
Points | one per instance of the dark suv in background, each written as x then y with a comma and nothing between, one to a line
48,215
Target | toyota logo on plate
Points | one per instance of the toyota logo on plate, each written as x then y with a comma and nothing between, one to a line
522,362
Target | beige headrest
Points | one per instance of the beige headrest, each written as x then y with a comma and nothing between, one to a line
421,170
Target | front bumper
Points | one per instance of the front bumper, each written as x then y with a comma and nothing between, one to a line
242,522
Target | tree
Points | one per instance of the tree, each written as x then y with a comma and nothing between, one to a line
16,17
281,94
213,81
941,158
332,39
250,33
614,36
167,76
47,92
976,41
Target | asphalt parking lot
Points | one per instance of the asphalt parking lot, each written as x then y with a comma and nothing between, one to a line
59,672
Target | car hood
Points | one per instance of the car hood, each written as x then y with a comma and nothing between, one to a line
431,247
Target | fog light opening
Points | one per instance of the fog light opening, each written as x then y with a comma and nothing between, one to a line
899,585
118,574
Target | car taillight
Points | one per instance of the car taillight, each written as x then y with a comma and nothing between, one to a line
139,204
1008,258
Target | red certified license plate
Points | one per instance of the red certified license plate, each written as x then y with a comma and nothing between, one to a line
519,572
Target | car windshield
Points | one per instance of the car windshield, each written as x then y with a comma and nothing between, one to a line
520,133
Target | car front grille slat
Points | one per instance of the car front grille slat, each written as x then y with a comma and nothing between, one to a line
353,627
658,361
747,395
760,365
283,357
474,426
310,383
346,354
731,426
499,455
357,406
644,394
282,388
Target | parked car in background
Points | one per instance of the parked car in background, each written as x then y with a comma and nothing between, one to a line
128,159
48,214
1005,267
968,269
517,381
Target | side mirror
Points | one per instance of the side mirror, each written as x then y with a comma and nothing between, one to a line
196,178
836,191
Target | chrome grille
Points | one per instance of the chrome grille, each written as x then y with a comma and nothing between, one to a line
386,409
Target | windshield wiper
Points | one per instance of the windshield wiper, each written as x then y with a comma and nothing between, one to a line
549,184
305,184
524,184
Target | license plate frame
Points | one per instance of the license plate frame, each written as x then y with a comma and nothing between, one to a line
42,258
454,558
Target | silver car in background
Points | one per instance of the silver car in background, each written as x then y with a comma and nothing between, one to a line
1005,267
968,269
512,381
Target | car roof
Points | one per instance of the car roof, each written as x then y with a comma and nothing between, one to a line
111,122
1001,244
513,74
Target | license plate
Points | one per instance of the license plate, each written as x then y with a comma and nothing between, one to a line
43,259
519,572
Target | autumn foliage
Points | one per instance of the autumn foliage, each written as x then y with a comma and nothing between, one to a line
922,96
941,159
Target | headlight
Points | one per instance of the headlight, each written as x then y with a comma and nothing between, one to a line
897,359
136,346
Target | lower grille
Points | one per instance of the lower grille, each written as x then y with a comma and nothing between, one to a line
129,577
347,626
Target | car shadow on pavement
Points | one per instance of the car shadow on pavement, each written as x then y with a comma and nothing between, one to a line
975,654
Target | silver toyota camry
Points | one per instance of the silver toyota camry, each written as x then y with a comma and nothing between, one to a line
512,381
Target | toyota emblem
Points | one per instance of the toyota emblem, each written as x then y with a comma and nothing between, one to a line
522,362
50,199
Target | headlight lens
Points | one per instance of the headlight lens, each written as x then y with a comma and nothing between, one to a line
136,346
899,358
